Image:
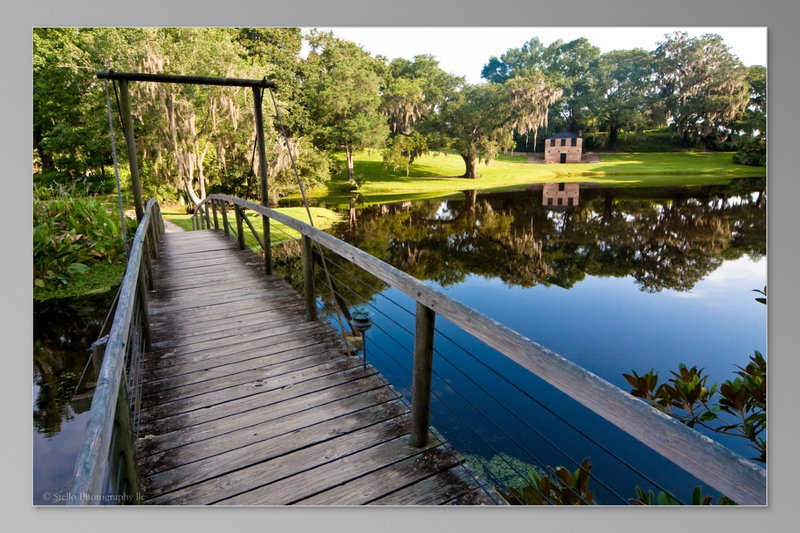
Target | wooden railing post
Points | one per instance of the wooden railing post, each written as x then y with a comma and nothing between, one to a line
224,218
214,210
98,352
423,367
208,220
267,246
239,227
308,278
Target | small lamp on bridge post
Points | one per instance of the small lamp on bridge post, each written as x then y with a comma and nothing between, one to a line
361,322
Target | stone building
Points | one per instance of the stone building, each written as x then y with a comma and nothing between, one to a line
563,147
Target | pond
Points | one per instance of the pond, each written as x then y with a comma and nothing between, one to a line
63,333
612,279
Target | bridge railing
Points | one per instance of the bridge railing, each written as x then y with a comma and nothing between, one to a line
709,461
105,470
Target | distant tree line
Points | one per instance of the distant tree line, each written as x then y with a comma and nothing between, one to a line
195,140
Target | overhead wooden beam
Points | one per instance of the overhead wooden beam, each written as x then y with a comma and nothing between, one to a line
172,78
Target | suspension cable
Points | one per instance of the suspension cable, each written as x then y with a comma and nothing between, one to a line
339,312
116,167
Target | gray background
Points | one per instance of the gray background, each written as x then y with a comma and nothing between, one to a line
781,18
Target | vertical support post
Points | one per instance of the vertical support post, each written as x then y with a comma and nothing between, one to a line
141,289
127,124
146,261
308,278
224,218
239,228
262,172
98,352
214,210
122,417
152,237
208,219
423,367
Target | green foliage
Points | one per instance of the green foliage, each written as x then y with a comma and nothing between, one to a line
70,235
476,124
664,498
741,409
764,292
343,95
752,153
402,150
560,487
702,85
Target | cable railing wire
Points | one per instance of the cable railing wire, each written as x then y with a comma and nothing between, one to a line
557,416
470,403
482,389
397,379
562,419
404,401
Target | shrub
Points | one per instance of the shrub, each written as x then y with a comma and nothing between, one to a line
753,153
70,234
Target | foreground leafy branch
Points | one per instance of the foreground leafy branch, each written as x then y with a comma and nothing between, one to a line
740,410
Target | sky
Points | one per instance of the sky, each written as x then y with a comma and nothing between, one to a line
464,50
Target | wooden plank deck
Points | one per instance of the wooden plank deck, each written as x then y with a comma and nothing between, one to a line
246,402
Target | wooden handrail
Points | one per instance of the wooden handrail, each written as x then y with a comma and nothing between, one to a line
92,467
706,459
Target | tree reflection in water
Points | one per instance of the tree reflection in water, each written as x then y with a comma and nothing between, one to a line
663,238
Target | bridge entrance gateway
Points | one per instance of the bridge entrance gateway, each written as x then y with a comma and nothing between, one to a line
219,384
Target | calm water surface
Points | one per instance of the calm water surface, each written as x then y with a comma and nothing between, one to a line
63,333
612,279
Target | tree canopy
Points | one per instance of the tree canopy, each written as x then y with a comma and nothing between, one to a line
193,140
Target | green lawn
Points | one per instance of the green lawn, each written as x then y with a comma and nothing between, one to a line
435,175
323,219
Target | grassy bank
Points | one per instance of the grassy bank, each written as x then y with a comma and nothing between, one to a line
436,175
323,219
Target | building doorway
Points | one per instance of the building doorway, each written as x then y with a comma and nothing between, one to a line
563,158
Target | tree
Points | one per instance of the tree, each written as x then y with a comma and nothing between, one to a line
343,94
572,66
623,91
477,124
530,99
414,91
481,120
569,66
703,86
69,120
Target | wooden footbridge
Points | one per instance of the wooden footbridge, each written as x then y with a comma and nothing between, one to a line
218,384
246,401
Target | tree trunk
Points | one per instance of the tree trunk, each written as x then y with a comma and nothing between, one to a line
471,200
190,192
612,134
349,152
471,164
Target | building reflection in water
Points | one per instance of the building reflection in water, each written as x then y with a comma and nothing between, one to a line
560,195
